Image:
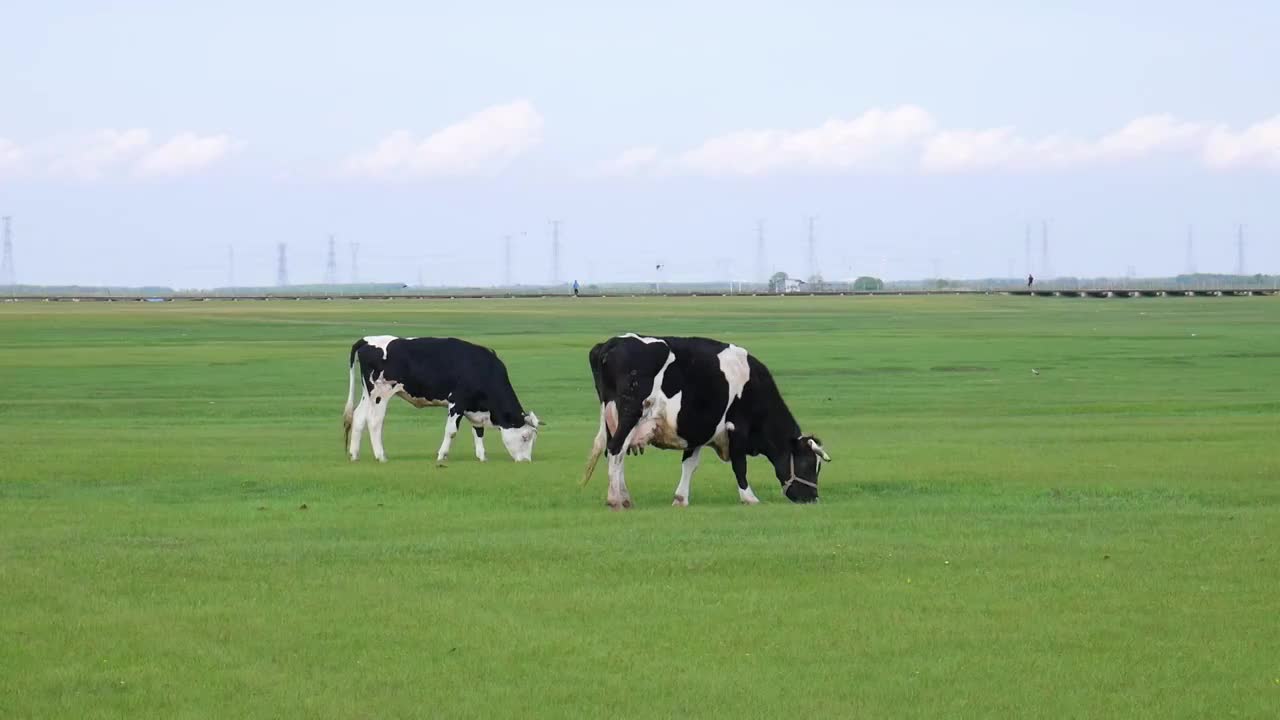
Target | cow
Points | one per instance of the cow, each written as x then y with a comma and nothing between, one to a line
684,393
468,379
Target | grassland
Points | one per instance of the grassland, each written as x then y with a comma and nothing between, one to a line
182,537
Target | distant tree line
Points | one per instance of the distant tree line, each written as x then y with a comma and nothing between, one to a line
1185,281
779,282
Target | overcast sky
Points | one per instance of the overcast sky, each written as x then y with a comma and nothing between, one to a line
139,139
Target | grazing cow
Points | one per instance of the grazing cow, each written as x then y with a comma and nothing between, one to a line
468,379
685,393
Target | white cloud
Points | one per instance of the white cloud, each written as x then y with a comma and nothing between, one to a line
1256,146
91,156
185,153
113,153
635,161
1150,134
1003,149
12,158
906,139
972,149
480,144
873,140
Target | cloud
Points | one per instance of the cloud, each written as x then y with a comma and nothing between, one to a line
972,149
1150,134
634,161
876,139
114,153
907,139
1257,146
481,144
91,156
184,154
12,158
1003,148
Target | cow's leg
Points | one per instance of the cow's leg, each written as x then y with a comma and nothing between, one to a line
377,412
450,429
477,429
687,466
739,460
628,417
359,419
619,498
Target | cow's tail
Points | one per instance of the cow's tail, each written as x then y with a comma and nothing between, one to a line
596,358
597,449
348,412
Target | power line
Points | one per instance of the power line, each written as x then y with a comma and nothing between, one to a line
1191,253
762,273
331,265
8,272
282,265
1240,250
355,263
1027,248
813,252
555,252
1046,270
506,261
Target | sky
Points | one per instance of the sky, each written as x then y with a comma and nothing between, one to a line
139,141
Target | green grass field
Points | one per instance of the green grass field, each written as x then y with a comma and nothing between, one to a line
1101,540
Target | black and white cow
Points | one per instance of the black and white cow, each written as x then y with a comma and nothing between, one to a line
686,393
468,379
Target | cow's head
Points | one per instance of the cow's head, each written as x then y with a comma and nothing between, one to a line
807,457
519,440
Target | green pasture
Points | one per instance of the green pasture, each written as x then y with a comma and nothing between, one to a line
182,536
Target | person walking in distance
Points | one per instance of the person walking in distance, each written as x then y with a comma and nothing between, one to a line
1030,279
575,288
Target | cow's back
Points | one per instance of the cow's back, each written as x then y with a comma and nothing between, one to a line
624,367
693,372
436,368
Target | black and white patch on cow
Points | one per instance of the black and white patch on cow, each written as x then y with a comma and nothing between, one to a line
688,393
470,380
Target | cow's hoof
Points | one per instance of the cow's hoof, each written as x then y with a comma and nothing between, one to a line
680,501
382,459
442,463
617,505
750,501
